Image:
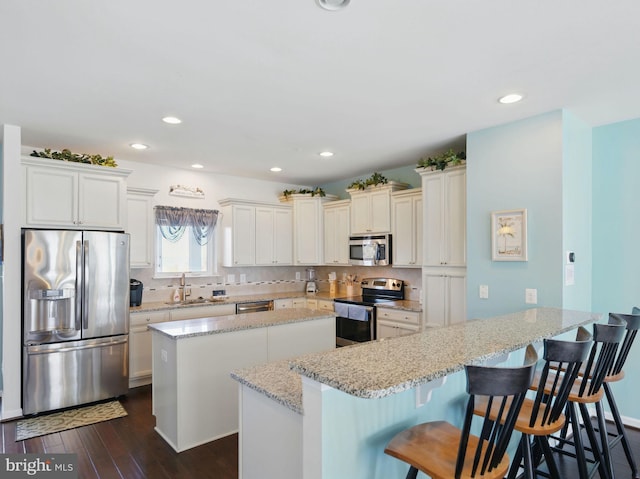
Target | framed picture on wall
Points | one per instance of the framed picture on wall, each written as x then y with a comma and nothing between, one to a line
509,235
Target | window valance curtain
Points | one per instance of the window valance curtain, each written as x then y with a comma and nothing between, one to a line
174,221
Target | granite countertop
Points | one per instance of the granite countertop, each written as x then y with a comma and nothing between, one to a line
389,366
245,298
188,328
276,381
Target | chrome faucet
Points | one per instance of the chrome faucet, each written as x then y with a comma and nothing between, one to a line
185,292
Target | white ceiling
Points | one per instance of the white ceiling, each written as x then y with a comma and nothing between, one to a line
261,84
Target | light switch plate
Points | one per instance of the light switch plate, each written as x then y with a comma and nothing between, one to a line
243,278
231,278
531,296
483,291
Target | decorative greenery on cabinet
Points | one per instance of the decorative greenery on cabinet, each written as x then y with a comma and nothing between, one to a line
317,191
67,155
440,162
374,180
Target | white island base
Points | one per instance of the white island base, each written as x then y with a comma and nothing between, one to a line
194,398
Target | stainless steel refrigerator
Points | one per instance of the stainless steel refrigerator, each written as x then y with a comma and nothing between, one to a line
75,318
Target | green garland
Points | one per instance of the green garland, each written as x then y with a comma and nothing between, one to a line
66,155
317,191
373,180
440,162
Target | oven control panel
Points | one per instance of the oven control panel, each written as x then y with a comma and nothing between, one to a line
389,284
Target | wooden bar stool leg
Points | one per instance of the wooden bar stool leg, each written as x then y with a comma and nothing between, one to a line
548,454
413,473
621,432
596,449
604,439
577,440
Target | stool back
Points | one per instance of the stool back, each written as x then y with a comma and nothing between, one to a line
606,339
508,386
568,357
633,324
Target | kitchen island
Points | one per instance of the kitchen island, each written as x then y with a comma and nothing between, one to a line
194,398
340,408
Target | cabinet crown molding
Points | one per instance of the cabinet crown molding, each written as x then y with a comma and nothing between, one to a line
68,165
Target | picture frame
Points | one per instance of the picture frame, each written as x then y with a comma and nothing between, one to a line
509,235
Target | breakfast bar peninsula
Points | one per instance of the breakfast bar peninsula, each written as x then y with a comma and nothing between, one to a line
330,415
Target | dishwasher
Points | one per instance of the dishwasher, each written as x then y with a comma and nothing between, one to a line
254,307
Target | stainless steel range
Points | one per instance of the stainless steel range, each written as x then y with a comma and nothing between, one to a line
356,315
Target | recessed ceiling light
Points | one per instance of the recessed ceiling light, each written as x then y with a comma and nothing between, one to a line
326,154
332,4
510,98
197,165
172,120
139,146
275,169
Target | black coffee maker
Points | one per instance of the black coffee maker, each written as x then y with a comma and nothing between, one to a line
135,292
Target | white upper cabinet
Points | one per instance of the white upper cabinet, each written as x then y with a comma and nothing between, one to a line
336,232
308,228
274,236
371,208
256,233
406,214
140,226
444,213
74,195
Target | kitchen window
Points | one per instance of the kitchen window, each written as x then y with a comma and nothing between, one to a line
185,241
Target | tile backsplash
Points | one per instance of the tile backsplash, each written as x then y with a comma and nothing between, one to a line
264,280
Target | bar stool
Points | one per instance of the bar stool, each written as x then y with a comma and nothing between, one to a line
587,390
617,374
443,451
543,415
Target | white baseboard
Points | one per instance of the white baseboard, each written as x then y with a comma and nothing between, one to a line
626,420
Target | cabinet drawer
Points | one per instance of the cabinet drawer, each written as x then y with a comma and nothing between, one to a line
409,317
142,319
325,305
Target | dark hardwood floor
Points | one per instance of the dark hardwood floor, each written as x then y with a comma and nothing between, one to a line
128,447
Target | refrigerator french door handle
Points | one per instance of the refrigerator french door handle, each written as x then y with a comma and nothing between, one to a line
92,345
78,285
85,282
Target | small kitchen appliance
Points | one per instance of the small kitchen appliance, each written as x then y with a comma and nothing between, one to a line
356,315
312,286
135,292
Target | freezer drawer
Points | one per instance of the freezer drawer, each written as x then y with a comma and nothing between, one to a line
67,374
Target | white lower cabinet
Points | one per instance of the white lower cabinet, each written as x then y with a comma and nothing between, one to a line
299,302
391,323
290,303
140,353
445,296
324,305
140,346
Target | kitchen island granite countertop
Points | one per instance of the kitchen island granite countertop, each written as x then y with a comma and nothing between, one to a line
236,322
390,366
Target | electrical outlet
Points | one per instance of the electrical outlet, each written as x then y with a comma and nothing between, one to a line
163,355
231,278
484,291
243,278
298,275
531,296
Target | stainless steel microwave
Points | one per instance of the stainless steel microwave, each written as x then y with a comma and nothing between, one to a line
370,250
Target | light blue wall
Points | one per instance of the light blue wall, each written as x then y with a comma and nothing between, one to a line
404,174
577,210
616,230
518,165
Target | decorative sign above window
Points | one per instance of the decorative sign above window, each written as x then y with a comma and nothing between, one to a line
188,191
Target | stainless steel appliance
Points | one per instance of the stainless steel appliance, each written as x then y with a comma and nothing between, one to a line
75,318
356,315
370,250
254,307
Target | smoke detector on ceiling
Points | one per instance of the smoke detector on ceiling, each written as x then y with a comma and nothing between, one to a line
333,4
